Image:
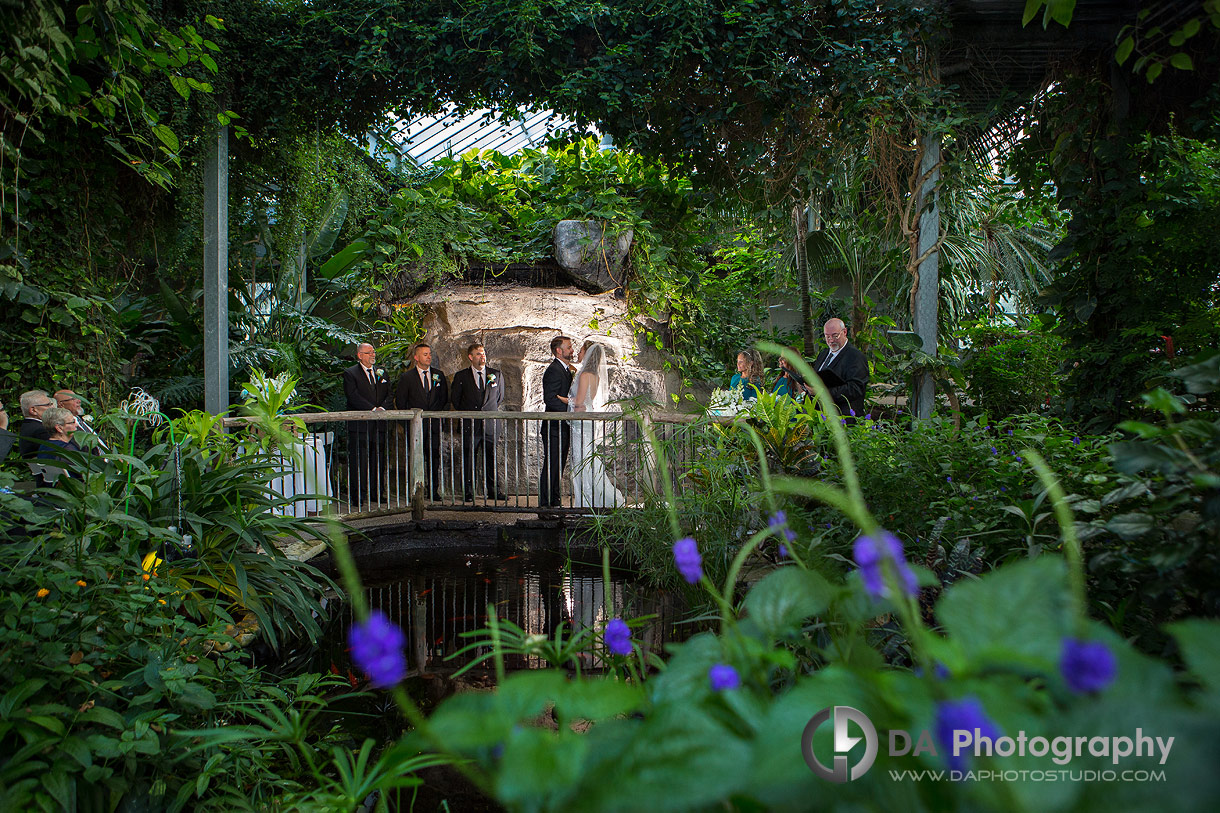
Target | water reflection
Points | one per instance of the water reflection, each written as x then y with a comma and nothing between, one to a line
437,595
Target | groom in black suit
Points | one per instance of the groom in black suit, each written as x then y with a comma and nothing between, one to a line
849,364
425,387
367,390
556,435
478,388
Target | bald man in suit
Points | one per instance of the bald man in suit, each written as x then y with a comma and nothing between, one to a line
367,390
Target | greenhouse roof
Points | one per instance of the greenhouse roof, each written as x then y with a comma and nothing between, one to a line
424,139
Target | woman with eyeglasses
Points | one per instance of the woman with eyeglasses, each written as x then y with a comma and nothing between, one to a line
60,424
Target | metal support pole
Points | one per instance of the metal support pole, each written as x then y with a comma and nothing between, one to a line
927,298
216,275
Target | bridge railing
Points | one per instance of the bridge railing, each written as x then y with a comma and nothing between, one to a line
370,463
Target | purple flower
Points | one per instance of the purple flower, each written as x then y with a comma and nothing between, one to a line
994,450
1076,441
939,671
966,714
948,479
618,637
868,416
688,560
1010,433
780,520
783,551
1087,666
723,677
871,553
377,648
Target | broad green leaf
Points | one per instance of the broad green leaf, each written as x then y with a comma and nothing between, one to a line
1182,61
1129,527
1124,50
167,137
1199,640
539,766
597,699
344,259
1018,613
785,598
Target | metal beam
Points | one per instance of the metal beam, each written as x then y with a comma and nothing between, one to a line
927,297
216,275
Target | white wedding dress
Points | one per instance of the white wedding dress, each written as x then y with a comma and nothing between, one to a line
591,486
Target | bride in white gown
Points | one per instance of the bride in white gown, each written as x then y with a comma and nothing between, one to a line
591,487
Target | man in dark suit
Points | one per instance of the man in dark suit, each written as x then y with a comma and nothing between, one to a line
367,390
478,388
556,435
425,387
32,434
7,438
849,364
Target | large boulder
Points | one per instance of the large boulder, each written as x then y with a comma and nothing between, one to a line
516,324
597,261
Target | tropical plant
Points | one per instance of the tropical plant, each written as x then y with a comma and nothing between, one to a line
1013,656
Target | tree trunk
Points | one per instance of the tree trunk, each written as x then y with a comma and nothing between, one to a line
802,271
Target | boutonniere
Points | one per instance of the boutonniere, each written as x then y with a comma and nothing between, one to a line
436,379
491,378
381,374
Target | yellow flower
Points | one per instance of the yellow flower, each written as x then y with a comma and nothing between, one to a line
43,592
146,577
160,601
81,583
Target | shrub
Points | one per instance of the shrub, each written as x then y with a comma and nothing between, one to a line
1012,371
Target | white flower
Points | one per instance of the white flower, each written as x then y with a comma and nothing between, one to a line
381,372
491,378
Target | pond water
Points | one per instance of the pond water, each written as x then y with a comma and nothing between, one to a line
437,588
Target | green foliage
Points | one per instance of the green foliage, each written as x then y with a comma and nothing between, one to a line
1137,263
1156,537
94,68
109,669
1012,371
674,740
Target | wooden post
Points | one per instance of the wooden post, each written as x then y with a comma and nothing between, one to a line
417,464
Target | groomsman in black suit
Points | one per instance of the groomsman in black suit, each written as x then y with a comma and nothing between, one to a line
425,387
367,390
556,435
849,364
478,388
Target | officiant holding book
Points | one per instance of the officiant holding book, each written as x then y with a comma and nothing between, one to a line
843,369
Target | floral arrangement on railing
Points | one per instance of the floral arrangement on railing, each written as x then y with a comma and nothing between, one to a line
727,402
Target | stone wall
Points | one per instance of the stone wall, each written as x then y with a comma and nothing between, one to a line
516,325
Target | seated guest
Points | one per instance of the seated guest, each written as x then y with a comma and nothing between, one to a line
749,375
789,382
32,432
70,401
7,438
60,424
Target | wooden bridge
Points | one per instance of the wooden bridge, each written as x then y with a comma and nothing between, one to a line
369,464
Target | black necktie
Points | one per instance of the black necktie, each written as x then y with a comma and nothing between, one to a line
427,382
480,375
372,382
